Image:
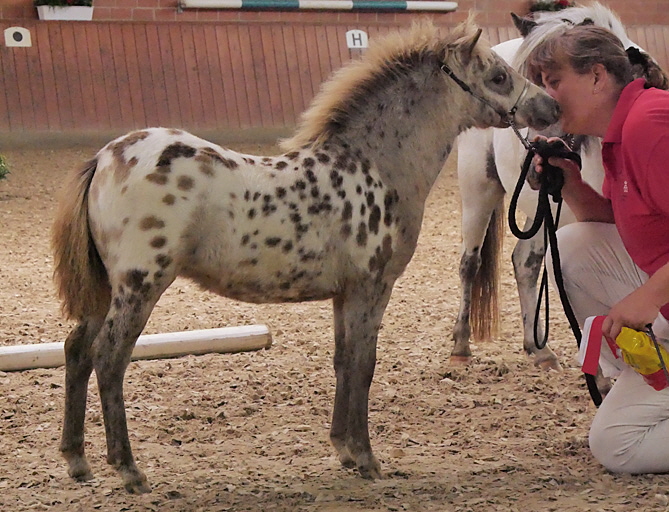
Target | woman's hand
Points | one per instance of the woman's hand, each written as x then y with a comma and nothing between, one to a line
586,203
635,311
570,169
640,307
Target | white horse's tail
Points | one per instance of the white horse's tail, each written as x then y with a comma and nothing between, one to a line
81,278
484,313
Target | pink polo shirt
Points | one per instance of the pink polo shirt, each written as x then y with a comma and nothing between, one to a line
635,153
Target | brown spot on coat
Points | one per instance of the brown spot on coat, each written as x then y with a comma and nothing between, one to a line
151,222
374,219
361,237
169,199
158,179
208,154
229,163
163,260
185,183
206,168
382,255
134,279
347,213
122,166
158,241
176,150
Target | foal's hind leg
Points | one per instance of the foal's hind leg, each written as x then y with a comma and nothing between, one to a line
112,352
527,257
358,317
78,368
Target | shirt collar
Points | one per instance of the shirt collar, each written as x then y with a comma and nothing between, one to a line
627,98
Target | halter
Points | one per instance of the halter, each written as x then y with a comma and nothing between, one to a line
509,116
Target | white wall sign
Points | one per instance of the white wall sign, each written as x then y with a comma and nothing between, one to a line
356,39
17,36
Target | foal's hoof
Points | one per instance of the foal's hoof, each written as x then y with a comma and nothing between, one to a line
460,360
137,487
345,457
135,482
369,467
82,473
347,461
78,468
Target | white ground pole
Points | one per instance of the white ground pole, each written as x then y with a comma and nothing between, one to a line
149,346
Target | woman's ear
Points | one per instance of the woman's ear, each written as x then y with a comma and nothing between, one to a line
599,77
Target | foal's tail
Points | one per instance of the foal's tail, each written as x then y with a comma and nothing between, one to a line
81,278
484,314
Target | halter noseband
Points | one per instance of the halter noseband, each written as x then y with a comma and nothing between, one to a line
509,116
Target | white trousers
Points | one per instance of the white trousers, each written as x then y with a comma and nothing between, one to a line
630,432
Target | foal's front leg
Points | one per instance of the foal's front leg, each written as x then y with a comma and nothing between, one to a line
358,314
342,366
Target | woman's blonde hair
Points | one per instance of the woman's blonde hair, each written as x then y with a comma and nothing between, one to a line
583,46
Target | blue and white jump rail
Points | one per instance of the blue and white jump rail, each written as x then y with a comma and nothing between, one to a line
327,5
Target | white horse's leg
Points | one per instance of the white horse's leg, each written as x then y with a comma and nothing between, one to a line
481,194
78,368
527,257
359,312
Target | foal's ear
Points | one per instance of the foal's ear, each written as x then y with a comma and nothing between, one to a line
524,25
466,46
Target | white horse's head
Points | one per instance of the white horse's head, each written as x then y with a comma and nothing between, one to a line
543,25
537,29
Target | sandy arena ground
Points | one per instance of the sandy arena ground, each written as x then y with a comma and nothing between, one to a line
249,432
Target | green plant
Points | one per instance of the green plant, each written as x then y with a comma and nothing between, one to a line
64,3
4,168
550,5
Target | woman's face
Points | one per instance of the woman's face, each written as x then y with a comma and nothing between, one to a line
574,93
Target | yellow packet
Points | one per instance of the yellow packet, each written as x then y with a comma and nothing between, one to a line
640,353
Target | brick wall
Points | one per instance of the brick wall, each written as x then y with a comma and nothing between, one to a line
490,12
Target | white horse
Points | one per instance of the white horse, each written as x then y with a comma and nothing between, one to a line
489,163
336,217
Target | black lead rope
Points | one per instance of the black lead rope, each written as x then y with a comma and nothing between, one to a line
551,181
663,364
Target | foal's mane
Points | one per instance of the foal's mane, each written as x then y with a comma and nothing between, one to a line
550,22
348,89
